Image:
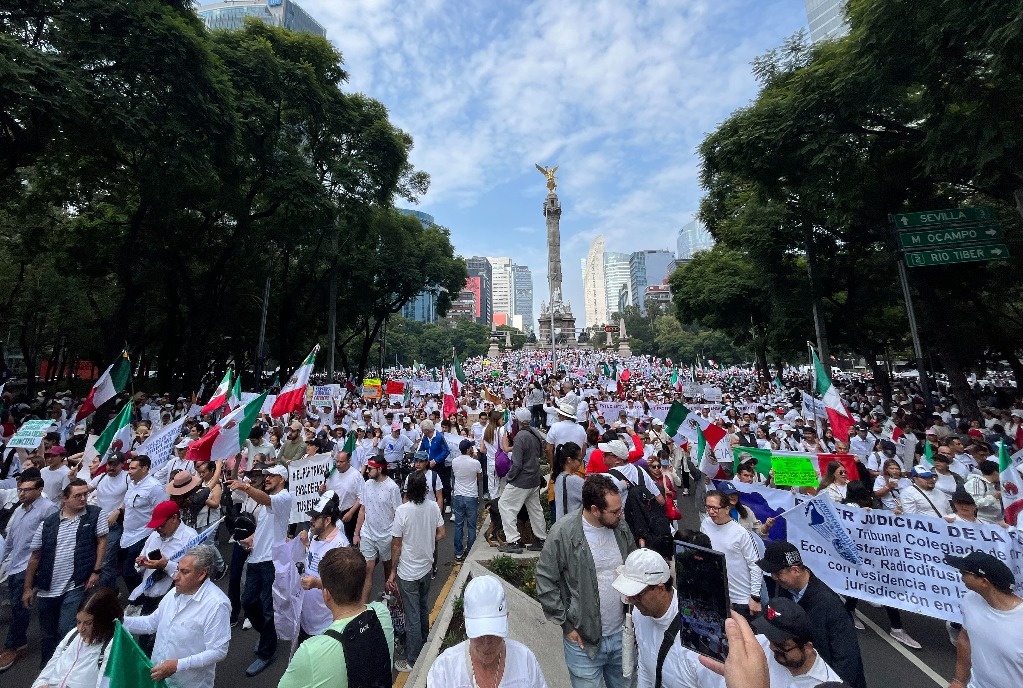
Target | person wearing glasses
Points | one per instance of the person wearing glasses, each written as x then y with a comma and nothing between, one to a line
592,540
33,507
67,550
835,483
922,497
740,550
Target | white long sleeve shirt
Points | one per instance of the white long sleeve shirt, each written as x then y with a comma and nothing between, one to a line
736,543
932,502
194,629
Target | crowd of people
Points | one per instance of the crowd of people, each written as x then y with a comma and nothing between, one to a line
570,460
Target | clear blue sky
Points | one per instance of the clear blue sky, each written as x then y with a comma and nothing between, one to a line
617,93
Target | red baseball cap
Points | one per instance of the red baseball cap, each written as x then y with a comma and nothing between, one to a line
161,513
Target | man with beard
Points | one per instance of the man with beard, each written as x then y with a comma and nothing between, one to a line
792,660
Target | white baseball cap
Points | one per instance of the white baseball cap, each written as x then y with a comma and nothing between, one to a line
642,568
485,608
280,471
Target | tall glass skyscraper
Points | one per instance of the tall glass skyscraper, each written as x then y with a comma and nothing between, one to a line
616,273
231,14
827,19
647,267
522,278
693,237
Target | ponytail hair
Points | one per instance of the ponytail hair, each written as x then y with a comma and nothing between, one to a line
561,454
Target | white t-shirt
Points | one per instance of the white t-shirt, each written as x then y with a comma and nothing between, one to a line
741,555
109,489
606,560
465,469
380,499
888,501
995,662
346,485
566,431
416,525
521,670
271,526
54,481
315,614
681,668
433,483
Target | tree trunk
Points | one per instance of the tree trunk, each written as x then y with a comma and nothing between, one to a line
958,383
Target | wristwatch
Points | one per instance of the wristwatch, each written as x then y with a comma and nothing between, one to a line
97,571
755,598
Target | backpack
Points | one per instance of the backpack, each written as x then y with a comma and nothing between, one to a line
645,517
502,462
367,659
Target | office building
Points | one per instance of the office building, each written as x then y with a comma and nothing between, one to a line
480,269
423,307
594,294
502,285
658,294
827,19
647,267
693,237
616,274
522,285
231,14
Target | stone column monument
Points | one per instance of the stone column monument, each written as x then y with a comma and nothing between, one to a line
559,312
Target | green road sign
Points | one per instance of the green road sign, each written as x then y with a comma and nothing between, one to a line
936,218
947,256
950,235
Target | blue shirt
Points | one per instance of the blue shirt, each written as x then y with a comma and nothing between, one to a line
22,526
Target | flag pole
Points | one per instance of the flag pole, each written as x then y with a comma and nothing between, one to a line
813,394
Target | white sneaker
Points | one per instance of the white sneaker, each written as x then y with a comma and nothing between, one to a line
246,625
452,518
402,666
905,639
858,624
447,509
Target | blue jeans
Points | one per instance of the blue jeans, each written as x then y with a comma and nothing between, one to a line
585,672
466,510
56,619
258,603
417,615
17,632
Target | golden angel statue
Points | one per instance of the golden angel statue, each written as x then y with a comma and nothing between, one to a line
549,173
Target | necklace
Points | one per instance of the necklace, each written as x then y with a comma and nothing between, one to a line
497,676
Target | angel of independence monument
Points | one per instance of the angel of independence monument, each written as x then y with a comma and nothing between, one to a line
556,315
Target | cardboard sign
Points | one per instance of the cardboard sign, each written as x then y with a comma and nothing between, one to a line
304,478
30,435
323,397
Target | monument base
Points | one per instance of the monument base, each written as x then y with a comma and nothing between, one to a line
564,325
623,348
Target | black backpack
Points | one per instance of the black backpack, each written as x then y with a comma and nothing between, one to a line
367,658
645,517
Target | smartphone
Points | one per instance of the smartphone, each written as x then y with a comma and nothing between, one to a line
155,555
702,583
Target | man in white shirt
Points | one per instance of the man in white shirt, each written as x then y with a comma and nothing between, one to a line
322,536
380,498
465,469
177,462
434,485
346,483
736,543
192,625
396,445
862,442
645,581
792,660
110,487
143,494
418,525
922,497
55,474
272,510
565,430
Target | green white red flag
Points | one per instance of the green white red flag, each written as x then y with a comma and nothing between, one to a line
116,436
227,437
235,399
292,396
681,420
108,386
458,378
219,397
838,415
1010,482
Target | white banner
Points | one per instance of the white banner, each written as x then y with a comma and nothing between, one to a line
304,478
159,446
659,410
609,409
813,408
30,435
711,393
903,555
425,387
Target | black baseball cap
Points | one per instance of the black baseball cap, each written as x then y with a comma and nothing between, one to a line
778,555
782,621
465,445
986,566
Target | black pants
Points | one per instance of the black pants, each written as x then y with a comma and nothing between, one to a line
234,582
539,418
444,473
258,603
126,557
894,616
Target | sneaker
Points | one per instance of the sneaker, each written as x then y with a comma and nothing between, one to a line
535,546
402,666
246,625
685,493
259,666
858,624
510,548
953,634
452,518
9,657
905,638
447,509
460,558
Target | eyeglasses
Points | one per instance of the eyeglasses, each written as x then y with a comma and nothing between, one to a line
29,489
709,507
840,473
617,512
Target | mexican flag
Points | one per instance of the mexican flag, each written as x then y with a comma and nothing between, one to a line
128,666
219,397
109,385
235,399
117,436
675,382
1009,477
458,379
838,415
794,463
691,425
292,396
450,405
226,438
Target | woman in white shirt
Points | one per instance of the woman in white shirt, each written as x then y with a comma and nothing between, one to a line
889,484
835,483
79,660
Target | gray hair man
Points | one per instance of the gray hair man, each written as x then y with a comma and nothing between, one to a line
524,480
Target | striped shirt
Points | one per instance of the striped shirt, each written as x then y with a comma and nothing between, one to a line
64,558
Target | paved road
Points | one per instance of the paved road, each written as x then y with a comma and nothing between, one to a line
887,663
230,672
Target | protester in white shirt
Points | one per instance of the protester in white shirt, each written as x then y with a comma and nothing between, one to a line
741,555
922,497
380,498
143,494
346,482
434,485
272,510
82,655
192,625
322,536
168,538
465,470
488,657
418,525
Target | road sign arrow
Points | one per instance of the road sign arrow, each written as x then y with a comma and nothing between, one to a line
996,252
991,232
905,221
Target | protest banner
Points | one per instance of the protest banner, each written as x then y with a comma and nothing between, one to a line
711,393
159,446
30,435
902,555
659,410
323,397
304,478
795,471
691,390
609,409
813,408
425,387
